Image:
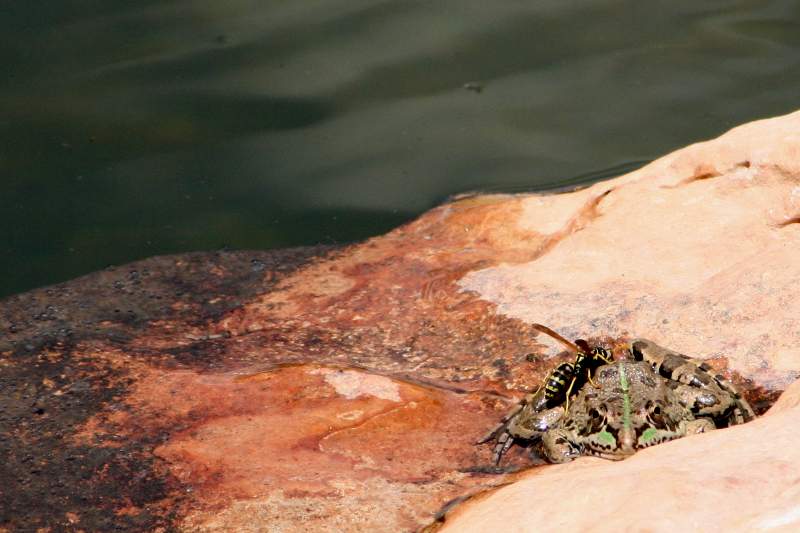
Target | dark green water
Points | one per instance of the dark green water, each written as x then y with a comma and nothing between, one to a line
138,128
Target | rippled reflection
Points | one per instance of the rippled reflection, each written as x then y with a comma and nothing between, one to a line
148,127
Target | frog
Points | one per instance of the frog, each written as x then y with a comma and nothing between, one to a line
648,396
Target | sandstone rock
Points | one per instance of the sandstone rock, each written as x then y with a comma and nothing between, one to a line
343,389
738,479
696,251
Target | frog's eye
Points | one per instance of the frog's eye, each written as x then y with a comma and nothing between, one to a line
656,415
597,418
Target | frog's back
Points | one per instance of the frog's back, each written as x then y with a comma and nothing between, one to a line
626,408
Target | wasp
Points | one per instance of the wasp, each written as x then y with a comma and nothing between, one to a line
560,383
536,409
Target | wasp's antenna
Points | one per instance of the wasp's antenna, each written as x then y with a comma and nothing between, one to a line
556,336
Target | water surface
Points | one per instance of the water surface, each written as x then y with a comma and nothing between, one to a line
152,127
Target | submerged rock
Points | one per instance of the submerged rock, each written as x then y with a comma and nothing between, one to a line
343,389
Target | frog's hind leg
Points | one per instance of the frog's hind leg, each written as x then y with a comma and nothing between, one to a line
743,412
713,395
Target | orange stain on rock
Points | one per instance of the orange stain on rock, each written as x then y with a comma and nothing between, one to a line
301,428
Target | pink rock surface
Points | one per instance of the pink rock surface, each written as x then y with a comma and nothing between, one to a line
696,251
343,390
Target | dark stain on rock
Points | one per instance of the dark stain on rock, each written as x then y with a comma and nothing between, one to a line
51,384
119,302
42,467
759,397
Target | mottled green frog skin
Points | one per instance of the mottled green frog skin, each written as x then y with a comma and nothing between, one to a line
628,409
651,396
